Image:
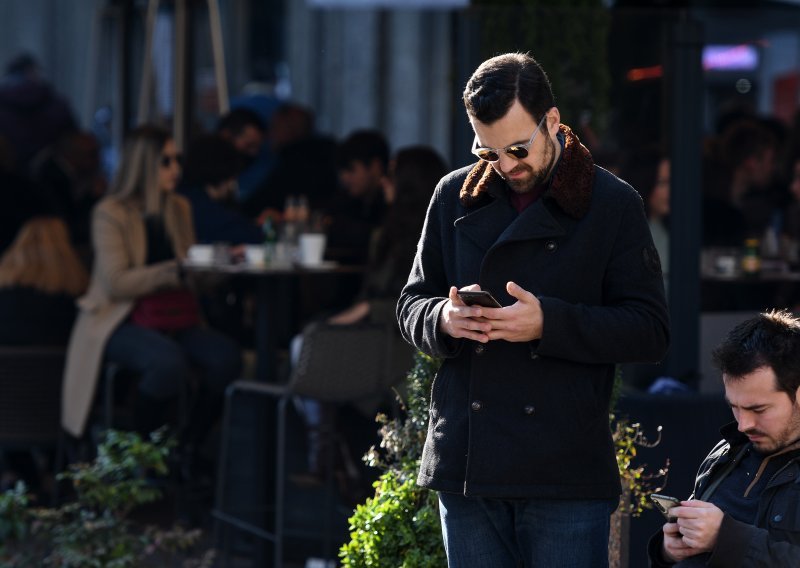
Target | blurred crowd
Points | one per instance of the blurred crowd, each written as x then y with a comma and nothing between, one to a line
93,260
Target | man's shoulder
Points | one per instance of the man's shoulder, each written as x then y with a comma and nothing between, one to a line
606,181
455,179
612,189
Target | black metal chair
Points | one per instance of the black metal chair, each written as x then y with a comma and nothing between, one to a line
337,364
30,400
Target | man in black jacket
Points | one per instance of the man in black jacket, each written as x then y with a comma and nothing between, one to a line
518,443
745,508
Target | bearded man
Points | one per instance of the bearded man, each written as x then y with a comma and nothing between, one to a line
518,446
745,508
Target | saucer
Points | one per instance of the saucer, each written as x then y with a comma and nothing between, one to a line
324,265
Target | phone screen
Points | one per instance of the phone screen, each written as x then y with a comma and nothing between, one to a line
664,503
479,298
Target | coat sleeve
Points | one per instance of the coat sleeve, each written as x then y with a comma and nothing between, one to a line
425,294
655,551
632,324
115,266
742,545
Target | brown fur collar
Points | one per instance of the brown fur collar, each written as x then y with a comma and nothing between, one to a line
571,187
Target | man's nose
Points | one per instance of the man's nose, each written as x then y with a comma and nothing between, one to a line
507,162
745,421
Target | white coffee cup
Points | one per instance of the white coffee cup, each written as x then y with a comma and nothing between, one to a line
254,255
201,254
311,248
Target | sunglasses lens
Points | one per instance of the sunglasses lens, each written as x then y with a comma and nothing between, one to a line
166,161
487,155
517,151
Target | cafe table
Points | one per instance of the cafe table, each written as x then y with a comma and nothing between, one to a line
275,285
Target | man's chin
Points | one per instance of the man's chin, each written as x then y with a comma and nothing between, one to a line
520,186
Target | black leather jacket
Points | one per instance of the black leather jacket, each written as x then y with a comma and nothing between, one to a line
774,540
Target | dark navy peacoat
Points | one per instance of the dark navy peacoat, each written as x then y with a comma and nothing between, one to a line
530,420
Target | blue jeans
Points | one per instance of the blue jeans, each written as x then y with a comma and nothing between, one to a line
496,533
166,364
197,360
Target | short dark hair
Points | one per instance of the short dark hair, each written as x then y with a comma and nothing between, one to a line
770,339
499,81
744,139
236,120
210,161
363,146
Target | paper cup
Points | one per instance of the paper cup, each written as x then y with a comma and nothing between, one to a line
254,255
311,248
201,254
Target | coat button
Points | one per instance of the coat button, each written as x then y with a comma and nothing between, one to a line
529,410
476,405
777,518
480,348
551,246
534,356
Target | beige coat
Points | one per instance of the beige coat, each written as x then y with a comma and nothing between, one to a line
119,277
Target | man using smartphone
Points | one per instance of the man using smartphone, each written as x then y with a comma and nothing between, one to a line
745,508
518,446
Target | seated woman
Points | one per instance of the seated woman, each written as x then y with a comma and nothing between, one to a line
413,176
40,277
139,312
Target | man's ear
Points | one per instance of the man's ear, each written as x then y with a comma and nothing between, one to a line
553,121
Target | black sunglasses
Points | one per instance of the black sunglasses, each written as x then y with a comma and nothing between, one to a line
518,151
166,160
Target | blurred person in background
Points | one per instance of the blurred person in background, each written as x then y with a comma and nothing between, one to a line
359,207
70,177
750,151
209,182
40,278
139,311
246,129
414,173
292,139
20,199
649,174
32,114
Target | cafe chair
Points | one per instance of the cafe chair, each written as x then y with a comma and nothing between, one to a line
337,364
30,400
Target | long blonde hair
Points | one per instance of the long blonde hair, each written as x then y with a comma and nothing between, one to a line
42,257
137,177
136,181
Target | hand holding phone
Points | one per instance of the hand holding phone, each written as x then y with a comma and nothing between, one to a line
478,298
664,503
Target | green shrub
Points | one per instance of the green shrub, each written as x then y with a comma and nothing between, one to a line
94,530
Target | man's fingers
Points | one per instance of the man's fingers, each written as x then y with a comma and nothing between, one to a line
454,299
519,292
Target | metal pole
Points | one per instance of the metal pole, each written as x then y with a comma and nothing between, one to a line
146,90
122,112
181,64
685,88
220,69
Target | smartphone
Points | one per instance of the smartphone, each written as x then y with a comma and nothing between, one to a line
664,503
479,298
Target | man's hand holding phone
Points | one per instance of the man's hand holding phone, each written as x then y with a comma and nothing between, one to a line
519,322
462,321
